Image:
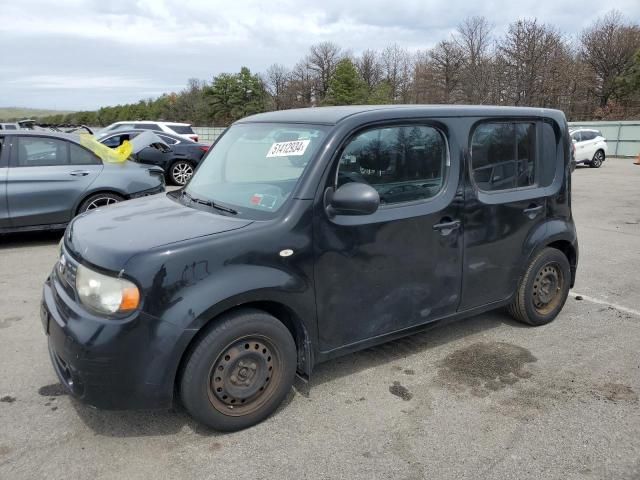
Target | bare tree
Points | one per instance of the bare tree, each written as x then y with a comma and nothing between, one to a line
322,60
447,59
276,82
301,90
474,38
608,48
370,69
396,65
528,50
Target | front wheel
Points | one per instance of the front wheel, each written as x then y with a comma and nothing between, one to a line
544,288
180,172
597,160
239,371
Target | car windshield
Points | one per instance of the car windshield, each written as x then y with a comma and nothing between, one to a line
255,167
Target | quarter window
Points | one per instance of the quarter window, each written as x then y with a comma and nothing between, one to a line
503,155
81,156
404,164
42,152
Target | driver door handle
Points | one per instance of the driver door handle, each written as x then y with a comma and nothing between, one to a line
80,173
532,211
446,226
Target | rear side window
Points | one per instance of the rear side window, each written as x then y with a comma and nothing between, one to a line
147,126
587,135
10,127
503,155
81,156
181,129
404,163
42,152
576,137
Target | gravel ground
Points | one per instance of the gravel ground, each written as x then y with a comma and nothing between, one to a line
485,398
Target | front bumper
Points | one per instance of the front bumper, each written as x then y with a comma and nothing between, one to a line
110,364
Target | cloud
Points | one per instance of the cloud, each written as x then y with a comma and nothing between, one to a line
82,54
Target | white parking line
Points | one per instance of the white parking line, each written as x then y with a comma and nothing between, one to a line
608,304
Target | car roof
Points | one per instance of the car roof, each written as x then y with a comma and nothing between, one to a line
140,130
72,137
334,115
134,122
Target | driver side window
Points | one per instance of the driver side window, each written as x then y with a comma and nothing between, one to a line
403,163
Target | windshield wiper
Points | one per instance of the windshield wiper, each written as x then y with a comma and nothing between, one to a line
209,203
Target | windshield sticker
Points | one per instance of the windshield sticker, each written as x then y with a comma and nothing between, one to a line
295,148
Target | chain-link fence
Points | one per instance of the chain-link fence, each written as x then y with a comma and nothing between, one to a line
208,134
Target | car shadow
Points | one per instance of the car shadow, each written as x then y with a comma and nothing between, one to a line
169,422
30,239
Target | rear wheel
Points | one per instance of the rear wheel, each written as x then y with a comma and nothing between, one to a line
99,200
180,172
597,160
240,371
544,288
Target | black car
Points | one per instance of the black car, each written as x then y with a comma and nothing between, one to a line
278,265
179,160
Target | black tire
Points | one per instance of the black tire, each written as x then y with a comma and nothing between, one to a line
99,200
544,288
180,172
240,371
597,160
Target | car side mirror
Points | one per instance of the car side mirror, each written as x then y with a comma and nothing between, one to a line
352,198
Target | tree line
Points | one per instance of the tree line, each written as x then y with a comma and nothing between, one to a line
593,76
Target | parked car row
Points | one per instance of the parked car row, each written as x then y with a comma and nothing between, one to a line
178,158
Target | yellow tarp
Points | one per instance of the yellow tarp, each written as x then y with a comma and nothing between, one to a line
112,155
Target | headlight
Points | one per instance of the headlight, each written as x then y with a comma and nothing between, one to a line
106,294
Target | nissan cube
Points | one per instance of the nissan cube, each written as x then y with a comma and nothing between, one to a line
305,235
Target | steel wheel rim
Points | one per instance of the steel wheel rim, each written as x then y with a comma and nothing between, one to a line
245,374
101,202
182,172
547,288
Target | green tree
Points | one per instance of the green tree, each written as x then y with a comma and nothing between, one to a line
234,96
346,87
381,94
630,82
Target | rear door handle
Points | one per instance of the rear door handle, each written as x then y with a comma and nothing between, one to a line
446,226
532,211
80,173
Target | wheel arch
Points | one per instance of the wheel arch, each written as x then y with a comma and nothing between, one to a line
86,195
285,314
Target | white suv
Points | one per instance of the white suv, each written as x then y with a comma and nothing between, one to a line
590,146
182,129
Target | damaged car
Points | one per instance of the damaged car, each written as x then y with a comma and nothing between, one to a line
47,178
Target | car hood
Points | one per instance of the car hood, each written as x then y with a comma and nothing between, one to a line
108,237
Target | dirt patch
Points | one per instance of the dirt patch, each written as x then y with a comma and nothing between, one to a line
6,322
400,391
485,367
5,450
616,392
8,399
53,390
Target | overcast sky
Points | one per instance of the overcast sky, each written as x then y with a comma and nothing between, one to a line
83,54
